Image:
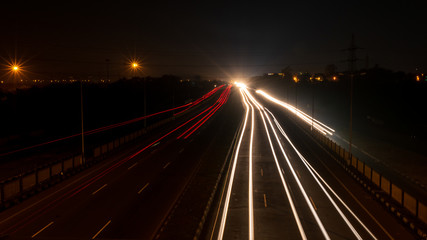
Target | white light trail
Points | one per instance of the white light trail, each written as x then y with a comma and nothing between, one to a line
250,194
323,128
282,178
317,176
233,171
313,211
306,198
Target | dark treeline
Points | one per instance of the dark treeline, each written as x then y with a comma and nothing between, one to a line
389,101
37,114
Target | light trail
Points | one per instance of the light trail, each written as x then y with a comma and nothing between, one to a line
233,171
49,206
217,105
112,126
323,128
302,190
285,186
317,176
250,192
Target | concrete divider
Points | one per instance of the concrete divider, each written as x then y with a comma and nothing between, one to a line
56,169
376,178
77,160
368,172
385,185
97,152
104,148
11,189
410,203
360,166
116,143
396,193
68,164
43,174
422,212
397,196
354,162
28,181
110,145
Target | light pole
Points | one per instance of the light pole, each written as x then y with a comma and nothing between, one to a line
15,69
135,66
81,117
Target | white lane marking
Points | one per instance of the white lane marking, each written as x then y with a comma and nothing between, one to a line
155,144
182,150
133,165
233,170
99,189
142,189
166,165
311,170
100,230
250,193
265,200
41,230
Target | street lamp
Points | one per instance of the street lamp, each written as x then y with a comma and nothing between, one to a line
135,66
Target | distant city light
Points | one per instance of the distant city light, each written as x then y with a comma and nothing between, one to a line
418,78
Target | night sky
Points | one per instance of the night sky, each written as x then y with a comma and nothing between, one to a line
210,38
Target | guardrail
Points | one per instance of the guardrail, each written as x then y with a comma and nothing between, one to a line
403,203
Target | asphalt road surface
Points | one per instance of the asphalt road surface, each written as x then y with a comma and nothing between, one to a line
280,184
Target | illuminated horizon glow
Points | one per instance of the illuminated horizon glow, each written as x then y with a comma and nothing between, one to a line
321,127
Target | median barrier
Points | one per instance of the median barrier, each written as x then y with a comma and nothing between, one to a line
28,181
67,164
396,193
422,212
77,160
43,174
360,166
104,148
97,152
368,172
11,189
55,169
408,203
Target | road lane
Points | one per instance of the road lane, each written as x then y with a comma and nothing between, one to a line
321,205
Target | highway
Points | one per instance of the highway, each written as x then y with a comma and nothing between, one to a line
278,183
131,194
282,184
